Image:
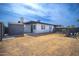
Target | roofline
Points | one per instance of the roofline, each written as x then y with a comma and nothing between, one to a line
15,24
36,22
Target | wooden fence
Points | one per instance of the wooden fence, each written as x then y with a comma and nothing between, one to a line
1,32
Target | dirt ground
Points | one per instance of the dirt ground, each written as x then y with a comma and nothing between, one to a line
41,45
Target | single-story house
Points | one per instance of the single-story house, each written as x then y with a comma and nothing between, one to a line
37,27
1,30
16,29
30,27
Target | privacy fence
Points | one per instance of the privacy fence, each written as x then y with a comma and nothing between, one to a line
1,31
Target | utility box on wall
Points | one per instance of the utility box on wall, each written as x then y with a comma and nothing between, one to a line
16,29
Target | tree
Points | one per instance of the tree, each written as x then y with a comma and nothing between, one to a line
21,19
72,26
77,20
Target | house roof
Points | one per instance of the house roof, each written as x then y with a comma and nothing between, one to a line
15,23
35,22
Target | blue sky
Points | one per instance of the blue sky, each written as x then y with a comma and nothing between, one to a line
60,14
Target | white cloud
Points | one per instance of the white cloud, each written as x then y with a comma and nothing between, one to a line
20,9
36,6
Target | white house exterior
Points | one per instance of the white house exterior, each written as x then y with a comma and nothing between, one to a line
37,27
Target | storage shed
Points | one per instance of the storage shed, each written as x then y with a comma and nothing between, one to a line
16,29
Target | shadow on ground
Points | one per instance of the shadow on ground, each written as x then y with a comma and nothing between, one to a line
38,34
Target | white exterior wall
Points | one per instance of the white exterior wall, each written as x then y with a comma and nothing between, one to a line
27,28
51,30
39,30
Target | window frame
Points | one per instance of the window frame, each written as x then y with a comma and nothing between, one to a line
42,26
50,27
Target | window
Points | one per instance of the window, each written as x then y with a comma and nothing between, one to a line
42,26
34,26
50,27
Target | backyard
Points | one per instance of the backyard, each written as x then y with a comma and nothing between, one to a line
41,45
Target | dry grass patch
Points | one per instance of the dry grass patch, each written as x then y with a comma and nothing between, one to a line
51,44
